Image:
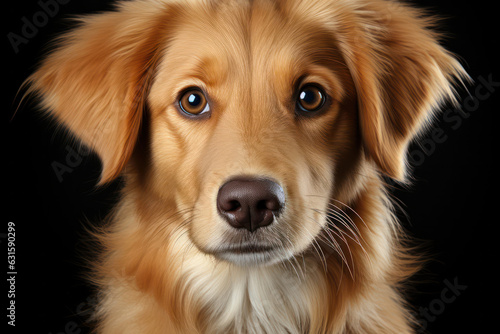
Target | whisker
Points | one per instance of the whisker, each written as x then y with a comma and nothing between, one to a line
343,204
315,243
341,234
334,209
334,244
161,227
351,221
339,218
357,241
348,249
353,211
295,259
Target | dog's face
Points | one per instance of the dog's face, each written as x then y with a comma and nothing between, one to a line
248,118
248,126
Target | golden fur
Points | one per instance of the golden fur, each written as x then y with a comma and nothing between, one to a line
114,82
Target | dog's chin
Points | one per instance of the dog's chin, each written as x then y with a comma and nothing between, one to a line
253,255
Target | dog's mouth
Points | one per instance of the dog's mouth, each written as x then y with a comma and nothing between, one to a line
247,249
252,253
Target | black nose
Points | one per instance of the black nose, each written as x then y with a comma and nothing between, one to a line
250,203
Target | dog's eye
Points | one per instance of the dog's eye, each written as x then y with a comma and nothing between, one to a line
193,102
310,99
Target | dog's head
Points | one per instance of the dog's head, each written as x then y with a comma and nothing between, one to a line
248,117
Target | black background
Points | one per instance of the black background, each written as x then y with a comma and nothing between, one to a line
452,205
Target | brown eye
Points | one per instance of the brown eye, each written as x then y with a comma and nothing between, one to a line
310,99
193,102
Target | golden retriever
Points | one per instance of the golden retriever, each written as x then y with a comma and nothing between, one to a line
252,137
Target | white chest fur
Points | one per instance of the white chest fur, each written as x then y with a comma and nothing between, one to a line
274,299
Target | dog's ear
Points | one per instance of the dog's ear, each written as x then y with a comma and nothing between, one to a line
401,74
95,82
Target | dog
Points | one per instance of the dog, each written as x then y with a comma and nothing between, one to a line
254,139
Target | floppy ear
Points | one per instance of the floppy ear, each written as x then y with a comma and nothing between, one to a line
401,74
95,82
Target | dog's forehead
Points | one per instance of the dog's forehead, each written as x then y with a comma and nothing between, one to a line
235,46
241,36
